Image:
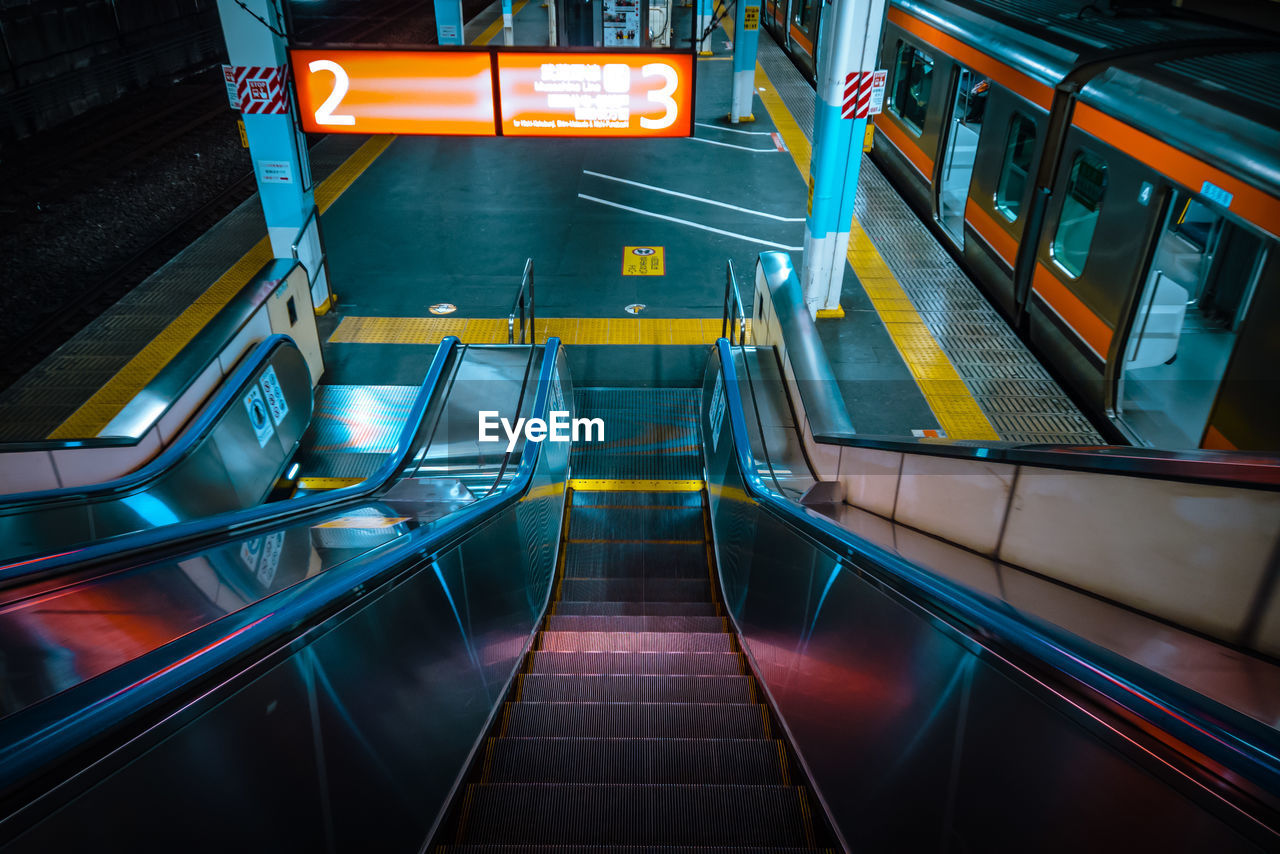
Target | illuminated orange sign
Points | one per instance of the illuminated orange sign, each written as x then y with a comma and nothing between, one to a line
379,91
596,94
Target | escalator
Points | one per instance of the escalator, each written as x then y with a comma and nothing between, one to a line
635,718
639,644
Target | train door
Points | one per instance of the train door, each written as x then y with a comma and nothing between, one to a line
1196,293
963,129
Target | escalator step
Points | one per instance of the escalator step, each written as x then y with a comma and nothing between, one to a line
635,642
588,498
643,663
627,688
561,622
637,589
635,609
624,849
635,720
653,814
635,560
638,523
635,760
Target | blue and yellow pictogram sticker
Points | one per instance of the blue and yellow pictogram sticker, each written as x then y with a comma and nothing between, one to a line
643,261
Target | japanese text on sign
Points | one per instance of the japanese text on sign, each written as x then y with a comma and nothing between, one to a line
643,261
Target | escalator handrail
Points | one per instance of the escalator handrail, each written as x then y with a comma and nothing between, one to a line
226,396
139,541
60,728
1229,739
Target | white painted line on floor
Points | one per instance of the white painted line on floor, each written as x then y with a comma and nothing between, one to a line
732,130
694,198
731,145
691,224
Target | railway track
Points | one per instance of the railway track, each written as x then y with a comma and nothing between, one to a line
111,144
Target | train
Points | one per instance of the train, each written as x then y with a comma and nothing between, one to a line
1111,179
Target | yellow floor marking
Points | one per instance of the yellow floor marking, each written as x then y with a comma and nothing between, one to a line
570,330
496,27
608,485
106,402
952,403
327,482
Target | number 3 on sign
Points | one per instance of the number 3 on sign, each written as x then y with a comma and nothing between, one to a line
662,96
341,82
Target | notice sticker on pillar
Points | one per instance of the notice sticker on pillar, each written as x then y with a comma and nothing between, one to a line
275,172
274,395
643,261
229,78
878,81
258,416
448,33
751,18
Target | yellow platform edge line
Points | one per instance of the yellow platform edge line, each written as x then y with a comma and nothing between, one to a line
948,396
611,485
104,404
496,27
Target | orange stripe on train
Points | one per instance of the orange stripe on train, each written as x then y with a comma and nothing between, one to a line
1093,330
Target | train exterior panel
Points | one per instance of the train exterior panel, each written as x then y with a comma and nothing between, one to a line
1110,185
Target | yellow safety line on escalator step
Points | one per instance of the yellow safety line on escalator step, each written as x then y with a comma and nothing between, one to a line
493,330
611,485
95,413
952,403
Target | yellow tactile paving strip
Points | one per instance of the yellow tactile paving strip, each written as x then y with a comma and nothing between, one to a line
570,330
107,402
957,412
496,27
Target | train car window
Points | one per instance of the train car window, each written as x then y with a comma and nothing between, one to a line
912,78
1085,188
1018,148
802,10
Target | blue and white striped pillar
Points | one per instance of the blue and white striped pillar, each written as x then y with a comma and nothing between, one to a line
847,49
258,77
705,11
745,40
448,22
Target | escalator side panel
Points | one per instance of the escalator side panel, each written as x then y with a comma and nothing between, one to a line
354,741
950,753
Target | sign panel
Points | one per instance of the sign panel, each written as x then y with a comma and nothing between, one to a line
878,80
643,261
275,172
388,91
258,416
596,94
751,18
274,395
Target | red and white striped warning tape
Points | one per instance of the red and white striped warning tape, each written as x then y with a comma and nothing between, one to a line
259,89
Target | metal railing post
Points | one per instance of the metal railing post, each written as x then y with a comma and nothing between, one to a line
524,298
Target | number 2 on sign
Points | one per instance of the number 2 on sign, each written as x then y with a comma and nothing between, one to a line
341,82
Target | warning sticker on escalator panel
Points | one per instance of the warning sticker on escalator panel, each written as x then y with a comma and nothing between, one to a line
258,417
717,411
274,395
272,546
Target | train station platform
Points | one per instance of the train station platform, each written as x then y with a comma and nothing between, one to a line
413,223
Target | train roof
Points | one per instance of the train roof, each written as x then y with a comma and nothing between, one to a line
1220,101
1046,39
1223,108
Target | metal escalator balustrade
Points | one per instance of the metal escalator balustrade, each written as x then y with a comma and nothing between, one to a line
976,727
635,720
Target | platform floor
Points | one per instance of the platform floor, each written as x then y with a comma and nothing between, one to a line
415,222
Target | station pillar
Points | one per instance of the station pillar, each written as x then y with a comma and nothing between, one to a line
745,40
508,24
448,22
848,44
705,12
258,84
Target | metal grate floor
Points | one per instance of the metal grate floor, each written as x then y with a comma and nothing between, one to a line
650,434
1017,395
353,428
